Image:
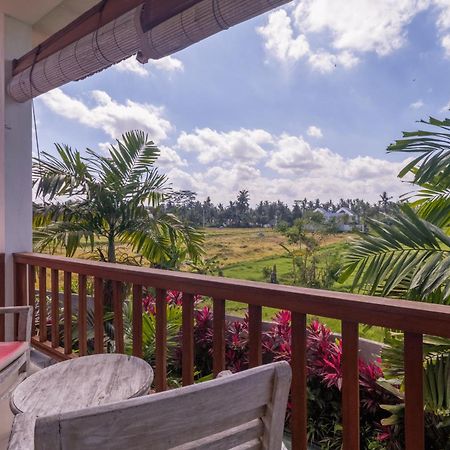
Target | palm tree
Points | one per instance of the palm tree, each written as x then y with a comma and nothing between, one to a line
114,199
408,256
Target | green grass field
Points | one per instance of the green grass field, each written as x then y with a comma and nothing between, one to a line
244,253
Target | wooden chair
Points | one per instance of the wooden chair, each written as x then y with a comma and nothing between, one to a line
15,355
241,411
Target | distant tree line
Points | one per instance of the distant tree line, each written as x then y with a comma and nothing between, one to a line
239,213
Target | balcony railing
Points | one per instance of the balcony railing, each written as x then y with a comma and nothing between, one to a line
413,318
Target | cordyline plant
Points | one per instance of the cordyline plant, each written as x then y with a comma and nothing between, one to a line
115,199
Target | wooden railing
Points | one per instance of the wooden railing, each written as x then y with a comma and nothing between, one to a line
414,318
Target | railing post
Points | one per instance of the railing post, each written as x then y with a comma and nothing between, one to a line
255,335
42,304
137,320
161,341
82,315
20,276
299,422
32,295
67,313
55,308
414,408
118,316
350,385
98,315
2,295
218,336
188,339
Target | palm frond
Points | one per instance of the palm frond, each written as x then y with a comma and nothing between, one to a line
407,256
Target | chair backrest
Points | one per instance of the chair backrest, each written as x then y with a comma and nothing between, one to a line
245,410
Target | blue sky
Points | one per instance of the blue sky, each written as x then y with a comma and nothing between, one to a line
300,102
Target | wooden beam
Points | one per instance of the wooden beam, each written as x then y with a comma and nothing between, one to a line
155,12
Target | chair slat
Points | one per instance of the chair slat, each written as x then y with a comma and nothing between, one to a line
82,315
137,320
298,385
161,341
118,316
67,313
414,407
350,386
188,339
55,308
255,335
42,304
218,336
98,315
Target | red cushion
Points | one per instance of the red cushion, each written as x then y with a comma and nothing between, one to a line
10,351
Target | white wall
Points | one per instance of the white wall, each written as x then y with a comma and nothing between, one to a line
15,153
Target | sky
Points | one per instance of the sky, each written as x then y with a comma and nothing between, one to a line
300,102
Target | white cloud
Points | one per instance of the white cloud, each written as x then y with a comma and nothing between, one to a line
286,167
167,64
110,116
446,108
169,158
346,29
446,44
132,65
417,105
211,145
314,131
279,38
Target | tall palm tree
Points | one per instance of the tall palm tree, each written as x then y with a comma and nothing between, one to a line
408,255
113,199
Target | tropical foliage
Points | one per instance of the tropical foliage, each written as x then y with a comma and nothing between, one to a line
408,253
101,201
408,256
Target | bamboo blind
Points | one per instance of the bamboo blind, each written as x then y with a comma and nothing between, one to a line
123,38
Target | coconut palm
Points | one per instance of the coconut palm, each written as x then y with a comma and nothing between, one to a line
102,201
408,254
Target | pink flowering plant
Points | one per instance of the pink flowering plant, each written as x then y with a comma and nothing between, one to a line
324,369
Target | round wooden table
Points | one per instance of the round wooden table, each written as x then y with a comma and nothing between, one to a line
82,382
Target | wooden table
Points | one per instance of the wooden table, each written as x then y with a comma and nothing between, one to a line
81,383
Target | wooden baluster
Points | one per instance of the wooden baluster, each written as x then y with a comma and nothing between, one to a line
118,316
42,304
350,385
298,386
137,320
2,296
255,335
414,408
67,313
188,339
98,315
82,315
55,308
32,295
218,335
20,277
161,341
20,273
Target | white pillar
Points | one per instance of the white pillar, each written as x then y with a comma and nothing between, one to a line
15,154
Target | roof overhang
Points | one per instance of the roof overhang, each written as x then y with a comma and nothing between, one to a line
113,30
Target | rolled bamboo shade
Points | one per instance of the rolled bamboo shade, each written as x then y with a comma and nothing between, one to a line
123,38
